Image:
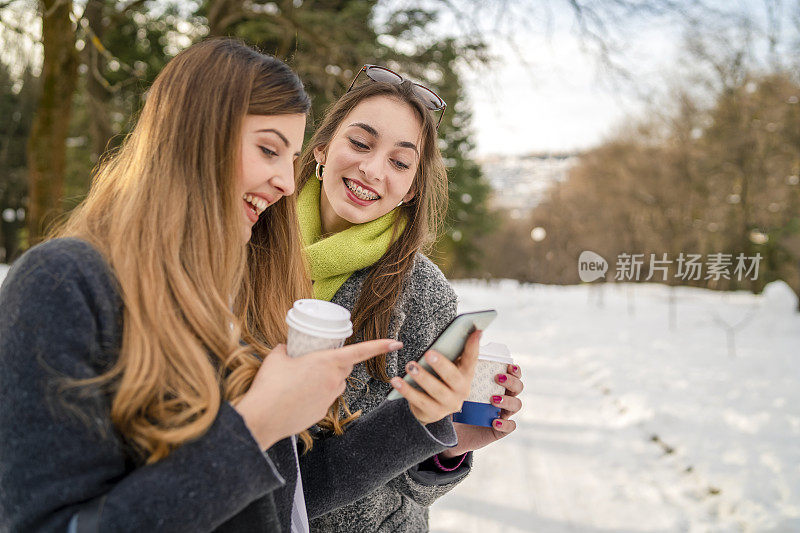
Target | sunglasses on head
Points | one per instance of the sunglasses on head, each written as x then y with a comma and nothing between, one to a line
430,99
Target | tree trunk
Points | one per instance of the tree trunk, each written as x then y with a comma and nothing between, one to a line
47,143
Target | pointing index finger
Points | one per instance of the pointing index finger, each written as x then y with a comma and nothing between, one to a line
356,353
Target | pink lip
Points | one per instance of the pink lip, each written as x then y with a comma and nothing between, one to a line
251,216
355,199
263,196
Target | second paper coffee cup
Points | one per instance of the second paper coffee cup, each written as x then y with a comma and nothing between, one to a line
493,359
316,325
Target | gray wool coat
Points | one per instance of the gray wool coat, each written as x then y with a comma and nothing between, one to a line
61,315
426,306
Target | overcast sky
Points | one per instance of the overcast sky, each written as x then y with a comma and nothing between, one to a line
560,100
559,103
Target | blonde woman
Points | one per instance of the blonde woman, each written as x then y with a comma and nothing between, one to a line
374,190
138,387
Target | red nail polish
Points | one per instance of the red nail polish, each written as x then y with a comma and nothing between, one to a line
497,399
501,378
498,424
515,367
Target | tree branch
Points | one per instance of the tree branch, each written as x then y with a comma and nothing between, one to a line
56,5
4,5
132,5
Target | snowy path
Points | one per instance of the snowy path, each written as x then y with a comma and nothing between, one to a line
576,465
630,427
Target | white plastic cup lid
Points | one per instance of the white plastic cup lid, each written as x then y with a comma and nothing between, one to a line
320,318
495,351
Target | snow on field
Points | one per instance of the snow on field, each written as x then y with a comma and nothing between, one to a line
629,425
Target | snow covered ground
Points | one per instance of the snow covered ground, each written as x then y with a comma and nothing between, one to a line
629,425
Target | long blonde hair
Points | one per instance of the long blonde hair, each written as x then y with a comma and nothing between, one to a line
424,214
163,212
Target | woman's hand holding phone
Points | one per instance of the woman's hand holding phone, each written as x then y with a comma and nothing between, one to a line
438,397
291,394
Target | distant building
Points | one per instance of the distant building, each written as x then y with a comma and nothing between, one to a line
520,182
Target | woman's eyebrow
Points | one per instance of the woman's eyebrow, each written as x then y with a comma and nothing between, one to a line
276,132
366,127
406,144
372,131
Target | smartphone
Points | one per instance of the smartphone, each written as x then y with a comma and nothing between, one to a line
450,342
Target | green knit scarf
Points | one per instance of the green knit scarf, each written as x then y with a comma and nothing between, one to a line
335,258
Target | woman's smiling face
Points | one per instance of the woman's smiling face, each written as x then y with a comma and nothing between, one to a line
370,163
269,146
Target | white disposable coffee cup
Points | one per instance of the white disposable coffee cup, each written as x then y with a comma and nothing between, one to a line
478,410
316,325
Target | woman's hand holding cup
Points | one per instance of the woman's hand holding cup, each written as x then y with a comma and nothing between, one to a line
291,394
475,437
443,395
509,403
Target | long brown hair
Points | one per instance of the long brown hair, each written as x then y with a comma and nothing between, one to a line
424,214
163,211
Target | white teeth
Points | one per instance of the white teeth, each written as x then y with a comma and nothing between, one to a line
359,191
259,203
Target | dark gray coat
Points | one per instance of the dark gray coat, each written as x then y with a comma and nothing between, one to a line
61,315
426,306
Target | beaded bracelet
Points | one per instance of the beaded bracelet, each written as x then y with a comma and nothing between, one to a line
444,468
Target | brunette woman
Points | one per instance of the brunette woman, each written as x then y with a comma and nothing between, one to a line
138,388
374,191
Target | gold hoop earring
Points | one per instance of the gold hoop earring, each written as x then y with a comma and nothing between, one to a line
319,171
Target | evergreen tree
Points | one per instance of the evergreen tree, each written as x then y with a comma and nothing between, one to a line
17,105
324,41
435,63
